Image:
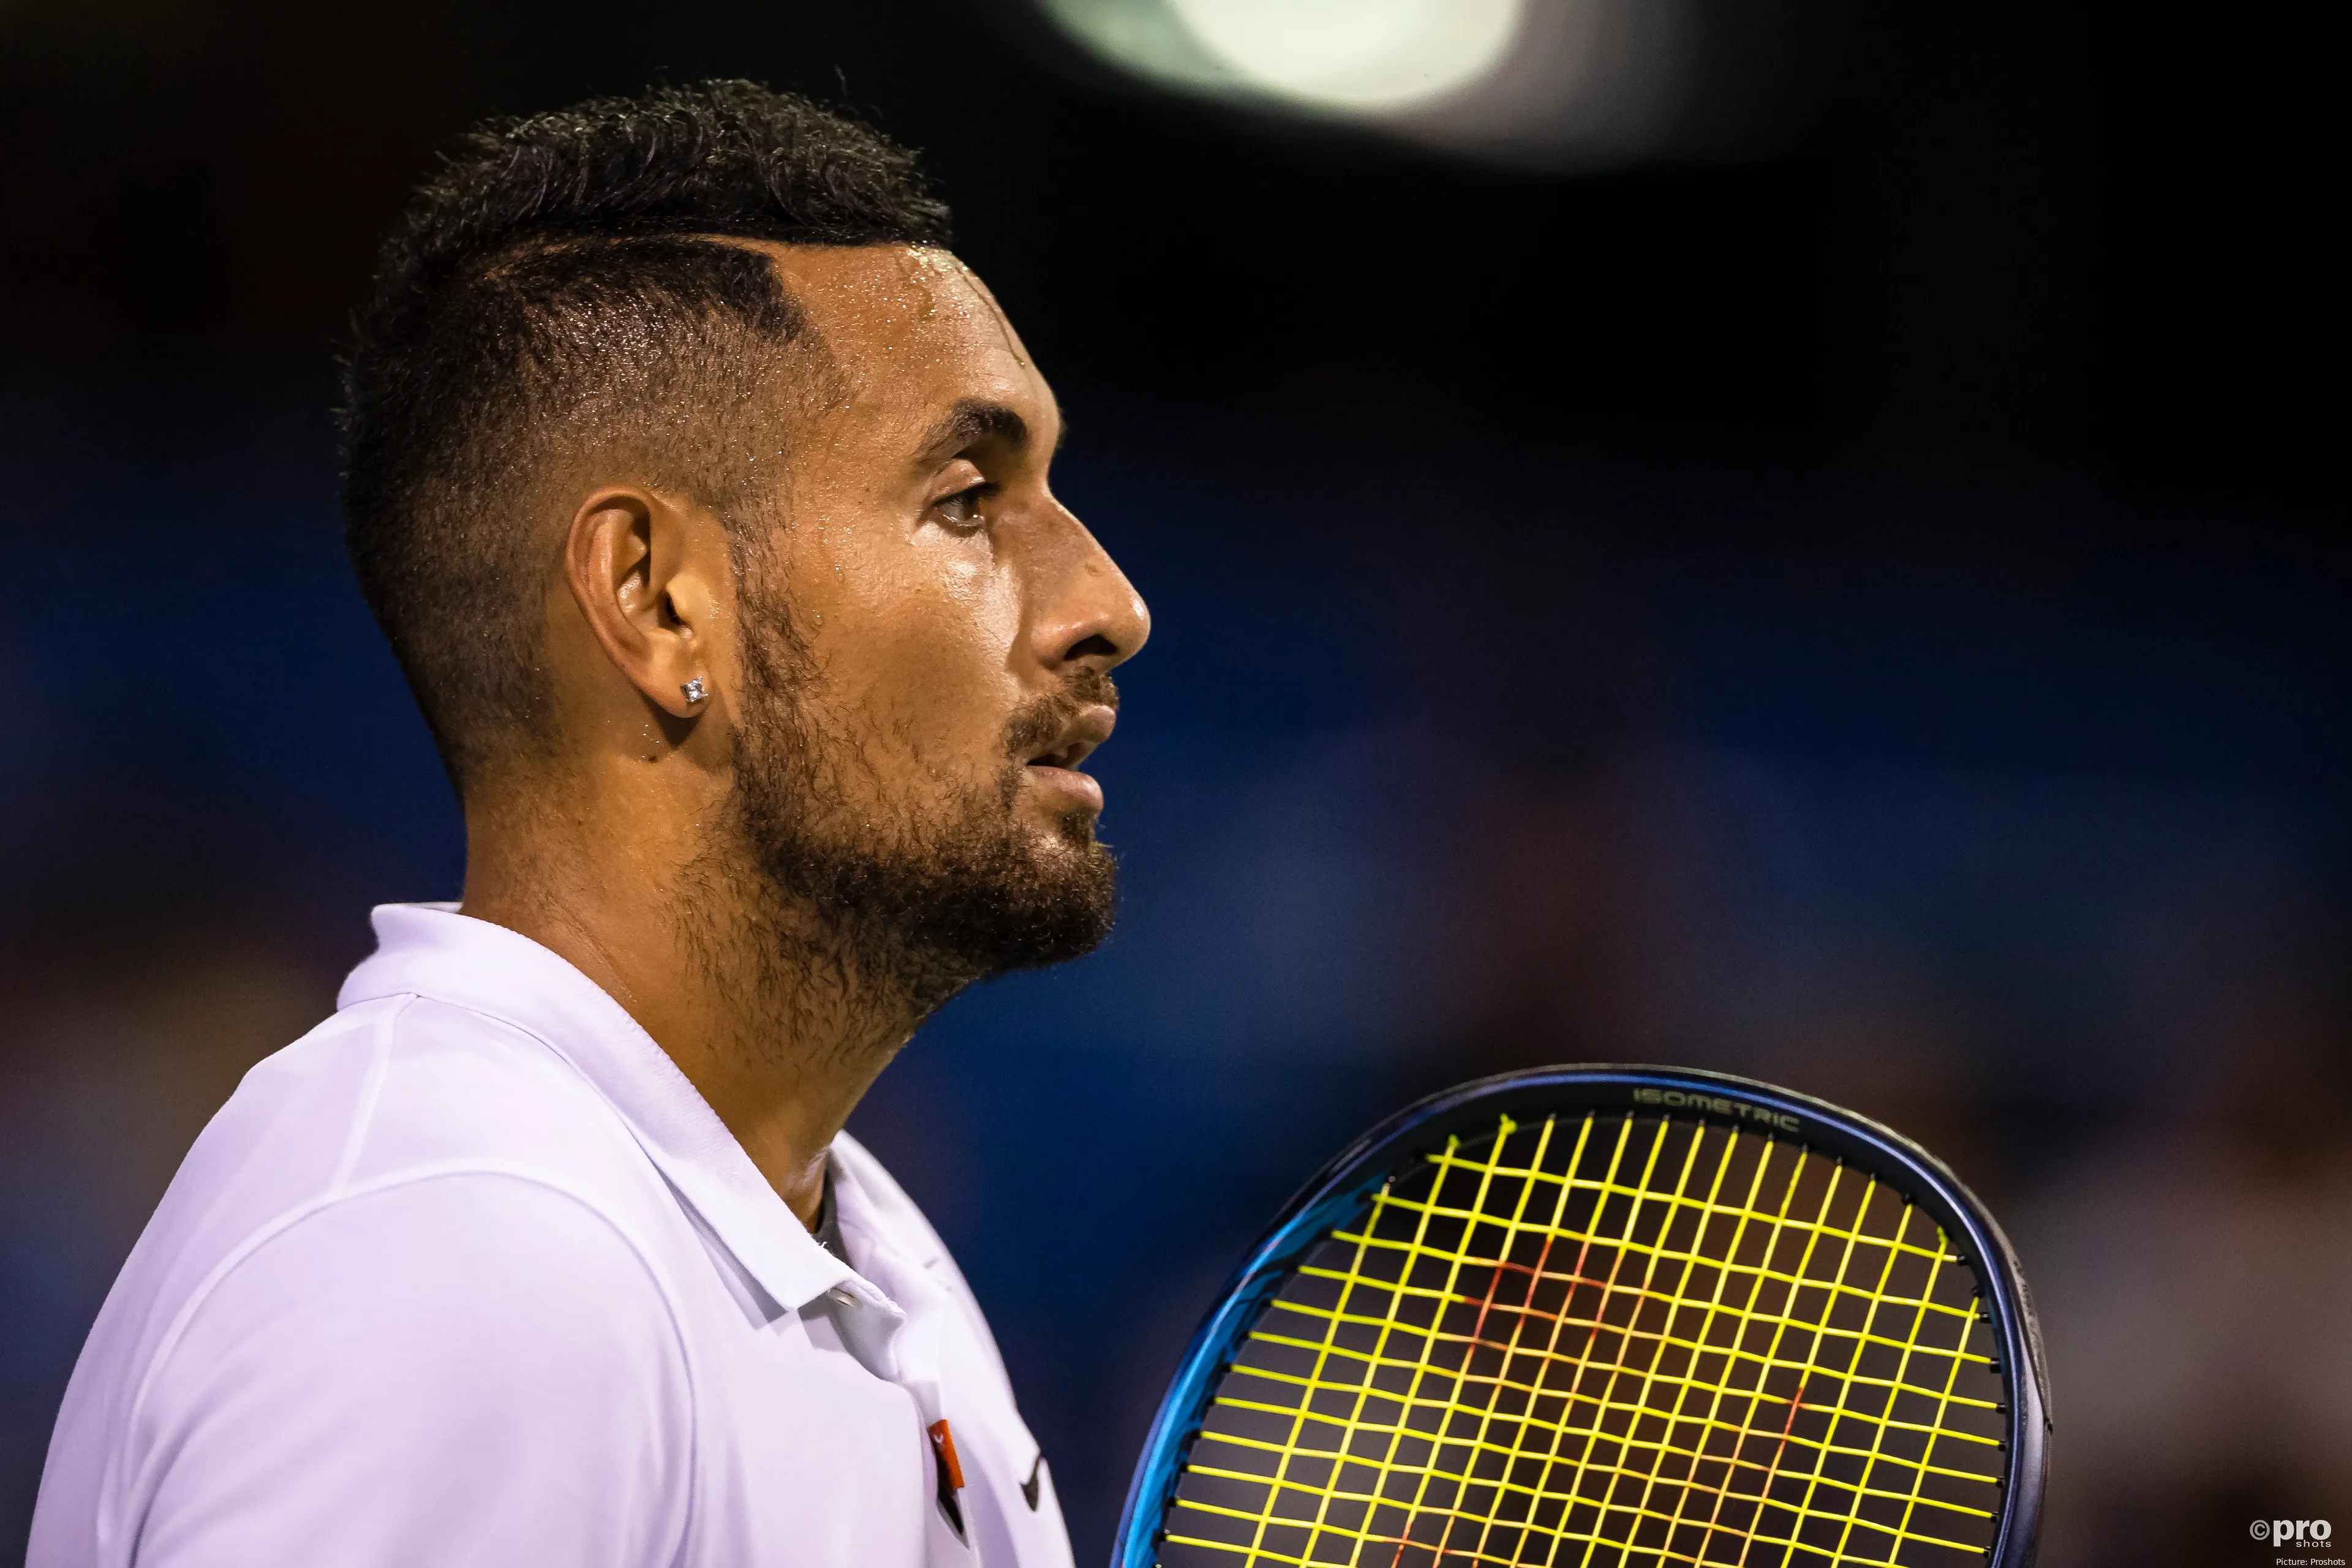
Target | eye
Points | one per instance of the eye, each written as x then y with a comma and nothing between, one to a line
961,511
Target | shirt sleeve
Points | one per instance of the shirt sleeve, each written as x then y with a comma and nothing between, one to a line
472,1369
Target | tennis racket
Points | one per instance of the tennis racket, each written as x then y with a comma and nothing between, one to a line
1606,1317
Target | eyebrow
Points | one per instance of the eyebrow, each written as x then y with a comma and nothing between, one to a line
975,419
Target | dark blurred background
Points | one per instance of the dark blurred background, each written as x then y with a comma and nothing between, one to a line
1832,571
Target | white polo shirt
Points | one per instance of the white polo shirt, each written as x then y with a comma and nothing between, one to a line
471,1275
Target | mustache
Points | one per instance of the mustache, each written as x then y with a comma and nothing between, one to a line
1040,724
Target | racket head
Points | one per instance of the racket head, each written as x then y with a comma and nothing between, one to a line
1699,1117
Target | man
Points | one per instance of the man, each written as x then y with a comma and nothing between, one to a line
702,496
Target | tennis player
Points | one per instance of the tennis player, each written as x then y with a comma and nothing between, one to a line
701,493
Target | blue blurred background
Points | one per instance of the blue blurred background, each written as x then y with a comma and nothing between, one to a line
1837,574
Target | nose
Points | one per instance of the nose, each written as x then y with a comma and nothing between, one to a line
1085,613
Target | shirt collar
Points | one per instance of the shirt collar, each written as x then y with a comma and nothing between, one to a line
431,950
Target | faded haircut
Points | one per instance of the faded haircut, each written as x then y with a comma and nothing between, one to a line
562,295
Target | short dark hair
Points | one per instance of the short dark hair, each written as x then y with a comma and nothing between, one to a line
564,287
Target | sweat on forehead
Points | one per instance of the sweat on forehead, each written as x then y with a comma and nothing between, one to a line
894,298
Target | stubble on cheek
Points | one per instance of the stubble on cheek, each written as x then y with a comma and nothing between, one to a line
921,670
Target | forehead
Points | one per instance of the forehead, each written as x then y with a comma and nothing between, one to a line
912,331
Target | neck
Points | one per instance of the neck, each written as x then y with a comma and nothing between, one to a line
773,1017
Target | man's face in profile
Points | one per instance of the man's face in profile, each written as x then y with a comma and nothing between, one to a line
926,637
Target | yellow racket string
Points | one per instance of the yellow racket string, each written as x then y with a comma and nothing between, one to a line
1600,1341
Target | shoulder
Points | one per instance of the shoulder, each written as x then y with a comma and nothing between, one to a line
479,1337
415,1243
506,1260
448,1136
401,1152
405,1084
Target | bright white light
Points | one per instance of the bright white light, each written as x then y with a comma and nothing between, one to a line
1361,55
1540,84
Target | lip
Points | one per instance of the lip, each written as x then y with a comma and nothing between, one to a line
1088,727
1078,789
1057,769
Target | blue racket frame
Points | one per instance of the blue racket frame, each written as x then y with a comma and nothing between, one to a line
1341,1189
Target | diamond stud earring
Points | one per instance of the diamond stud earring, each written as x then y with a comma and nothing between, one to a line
695,690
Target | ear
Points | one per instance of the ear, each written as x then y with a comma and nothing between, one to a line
634,563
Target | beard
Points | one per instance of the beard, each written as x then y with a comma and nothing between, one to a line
914,893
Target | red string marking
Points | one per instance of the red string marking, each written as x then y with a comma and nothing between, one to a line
1559,1320
1477,1337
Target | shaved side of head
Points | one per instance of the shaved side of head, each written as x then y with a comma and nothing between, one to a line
572,299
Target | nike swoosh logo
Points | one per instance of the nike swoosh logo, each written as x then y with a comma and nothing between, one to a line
1029,1486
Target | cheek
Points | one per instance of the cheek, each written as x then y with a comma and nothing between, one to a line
924,649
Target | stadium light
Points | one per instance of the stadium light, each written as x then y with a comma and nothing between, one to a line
1544,83
1355,54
